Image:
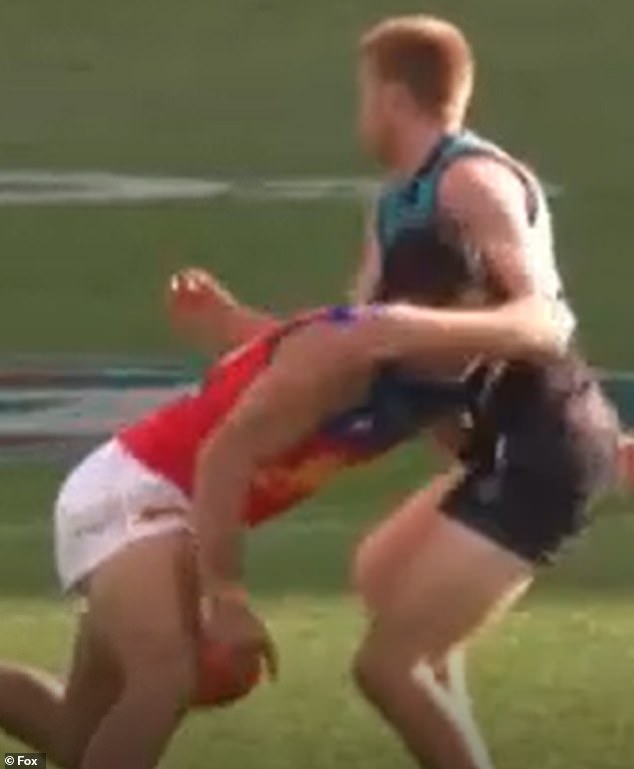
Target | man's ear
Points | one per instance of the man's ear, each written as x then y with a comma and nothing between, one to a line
399,99
394,97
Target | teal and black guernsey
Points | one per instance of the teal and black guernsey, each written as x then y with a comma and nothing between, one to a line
423,256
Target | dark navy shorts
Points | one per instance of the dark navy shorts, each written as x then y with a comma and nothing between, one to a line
544,446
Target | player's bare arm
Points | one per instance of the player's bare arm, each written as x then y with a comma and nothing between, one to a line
208,316
434,337
314,373
488,203
626,462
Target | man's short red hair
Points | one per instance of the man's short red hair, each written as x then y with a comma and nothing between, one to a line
429,56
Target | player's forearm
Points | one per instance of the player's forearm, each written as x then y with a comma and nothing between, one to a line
231,324
526,329
220,495
204,313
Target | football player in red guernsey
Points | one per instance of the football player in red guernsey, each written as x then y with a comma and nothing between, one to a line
352,377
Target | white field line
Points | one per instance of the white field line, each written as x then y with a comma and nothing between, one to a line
617,375
33,187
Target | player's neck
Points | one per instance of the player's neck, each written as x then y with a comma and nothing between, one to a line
415,144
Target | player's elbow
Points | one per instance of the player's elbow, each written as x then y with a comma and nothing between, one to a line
546,329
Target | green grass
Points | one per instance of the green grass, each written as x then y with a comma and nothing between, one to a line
265,87
249,88
553,683
109,266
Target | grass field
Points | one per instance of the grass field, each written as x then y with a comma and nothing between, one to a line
248,89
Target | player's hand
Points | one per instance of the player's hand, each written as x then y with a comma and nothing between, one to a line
551,322
233,623
626,462
192,294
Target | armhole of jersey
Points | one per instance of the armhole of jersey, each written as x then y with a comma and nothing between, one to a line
336,314
342,314
531,193
282,333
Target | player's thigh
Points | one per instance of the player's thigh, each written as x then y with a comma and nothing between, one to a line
144,605
457,580
382,555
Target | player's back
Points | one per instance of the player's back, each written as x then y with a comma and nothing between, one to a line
167,439
395,407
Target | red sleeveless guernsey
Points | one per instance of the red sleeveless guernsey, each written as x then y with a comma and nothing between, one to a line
167,440
395,409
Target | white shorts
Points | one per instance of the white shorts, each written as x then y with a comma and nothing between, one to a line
98,511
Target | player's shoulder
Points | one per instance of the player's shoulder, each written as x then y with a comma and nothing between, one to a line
480,169
477,175
330,315
336,334
482,185
315,324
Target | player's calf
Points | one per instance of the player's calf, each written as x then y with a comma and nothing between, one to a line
30,704
456,582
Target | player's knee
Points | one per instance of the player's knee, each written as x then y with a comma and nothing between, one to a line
386,660
374,669
382,679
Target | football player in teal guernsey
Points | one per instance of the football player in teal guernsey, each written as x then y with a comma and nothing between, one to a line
470,543
543,440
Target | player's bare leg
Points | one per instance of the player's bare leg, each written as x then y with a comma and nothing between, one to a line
381,562
30,700
381,559
384,551
455,583
144,604
93,686
57,719
131,667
